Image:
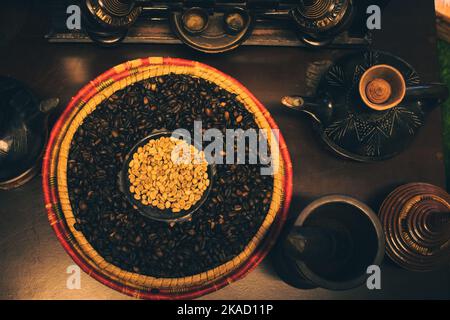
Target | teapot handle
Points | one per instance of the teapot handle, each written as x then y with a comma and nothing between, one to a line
436,92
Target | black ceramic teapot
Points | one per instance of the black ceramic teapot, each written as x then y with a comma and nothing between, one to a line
368,106
23,132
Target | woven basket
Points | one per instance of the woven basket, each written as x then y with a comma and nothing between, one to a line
59,208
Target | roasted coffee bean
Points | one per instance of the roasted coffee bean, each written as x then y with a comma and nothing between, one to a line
216,233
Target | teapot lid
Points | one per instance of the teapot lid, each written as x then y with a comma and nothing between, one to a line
7,86
16,101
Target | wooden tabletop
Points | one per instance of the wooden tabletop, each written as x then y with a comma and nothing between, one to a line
33,263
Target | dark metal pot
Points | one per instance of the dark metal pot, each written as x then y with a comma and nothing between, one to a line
23,132
331,245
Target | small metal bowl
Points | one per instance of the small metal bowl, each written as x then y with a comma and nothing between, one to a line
195,20
149,211
236,20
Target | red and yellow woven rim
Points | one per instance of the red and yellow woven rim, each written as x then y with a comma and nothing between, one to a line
53,201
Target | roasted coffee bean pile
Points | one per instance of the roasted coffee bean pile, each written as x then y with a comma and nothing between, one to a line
218,231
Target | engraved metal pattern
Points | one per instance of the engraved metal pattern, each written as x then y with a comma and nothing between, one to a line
320,15
416,221
114,13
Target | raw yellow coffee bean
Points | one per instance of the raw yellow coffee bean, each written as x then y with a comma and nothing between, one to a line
158,181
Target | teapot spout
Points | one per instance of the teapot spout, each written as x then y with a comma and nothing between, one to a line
294,102
318,109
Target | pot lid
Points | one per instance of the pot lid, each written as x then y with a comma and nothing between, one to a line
114,13
315,16
416,222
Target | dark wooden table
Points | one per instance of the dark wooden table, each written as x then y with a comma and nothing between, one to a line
32,262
